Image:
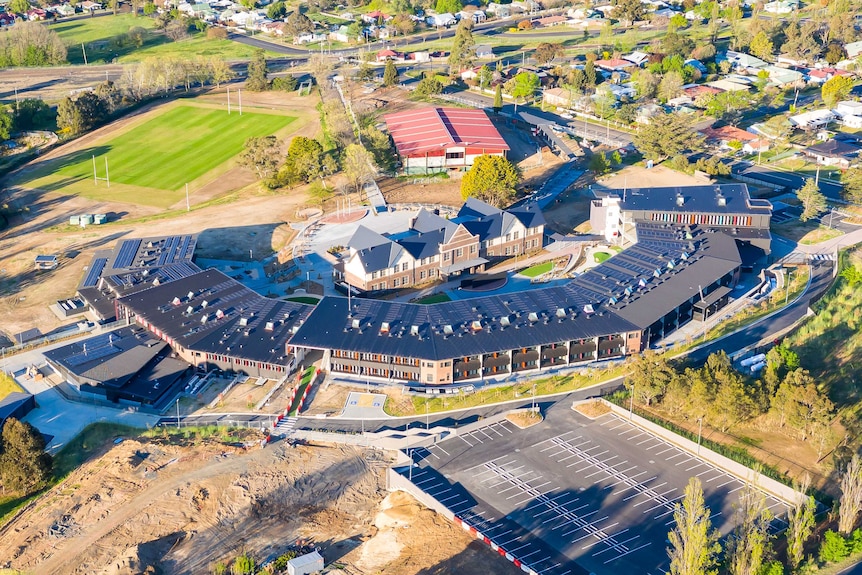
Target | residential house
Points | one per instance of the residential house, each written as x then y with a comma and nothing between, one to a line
622,91
813,119
559,97
756,146
549,21
637,58
850,113
477,16
743,61
484,51
500,10
441,20
833,153
273,28
783,77
384,55
64,10
697,65
340,34
853,49
781,6
790,60
726,134
695,91
614,65
418,56
646,112
729,85
374,17
90,6
309,38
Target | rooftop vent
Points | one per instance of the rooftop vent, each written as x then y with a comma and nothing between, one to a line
671,265
355,324
190,310
204,303
561,312
219,314
294,329
243,321
176,301
680,200
684,255
628,291
269,326
722,201
533,317
504,321
191,295
204,318
589,308
612,301
447,329
642,283
657,273
384,327
156,282
477,325
414,330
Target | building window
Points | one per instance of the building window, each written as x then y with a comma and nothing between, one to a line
396,282
506,251
454,155
374,275
515,235
473,249
515,248
447,256
404,267
459,252
422,275
508,237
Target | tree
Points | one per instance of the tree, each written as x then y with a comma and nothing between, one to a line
813,202
448,6
524,85
261,154
462,53
677,21
390,73
694,543
24,465
590,74
149,8
835,53
221,71
835,89
286,83
670,86
486,76
18,6
778,127
498,105
256,80
298,23
357,166
852,180
244,565
81,114
491,179
276,11
403,24
177,30
851,494
761,46
834,548
801,43
546,51
599,164
674,43
645,83
668,135
649,376
800,524
380,147
303,162
32,114
749,542
628,11
137,35
31,44
427,86
5,123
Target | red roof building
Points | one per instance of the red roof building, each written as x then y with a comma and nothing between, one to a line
614,64
728,134
437,139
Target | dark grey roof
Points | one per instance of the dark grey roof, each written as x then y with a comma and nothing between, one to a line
628,292
12,404
474,208
835,148
426,221
423,245
379,257
364,238
529,215
238,322
694,199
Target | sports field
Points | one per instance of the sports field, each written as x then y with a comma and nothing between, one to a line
151,163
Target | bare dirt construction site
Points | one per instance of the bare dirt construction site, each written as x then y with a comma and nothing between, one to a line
154,506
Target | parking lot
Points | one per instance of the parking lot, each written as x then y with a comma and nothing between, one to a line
572,495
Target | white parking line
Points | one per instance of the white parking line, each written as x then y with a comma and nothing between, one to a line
461,437
655,498
627,552
642,493
441,449
677,455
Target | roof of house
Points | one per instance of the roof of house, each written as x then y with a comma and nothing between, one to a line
834,148
425,130
613,63
699,89
728,133
211,312
722,199
628,292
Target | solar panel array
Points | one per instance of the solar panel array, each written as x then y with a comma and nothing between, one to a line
94,348
95,271
127,253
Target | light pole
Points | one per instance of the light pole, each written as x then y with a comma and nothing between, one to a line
178,413
632,402
699,432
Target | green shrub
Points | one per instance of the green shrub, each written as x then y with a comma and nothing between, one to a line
834,548
854,542
772,568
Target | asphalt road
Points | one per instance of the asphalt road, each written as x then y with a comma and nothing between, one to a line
789,180
765,328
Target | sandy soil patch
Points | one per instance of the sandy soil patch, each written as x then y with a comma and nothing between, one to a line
592,409
640,177
524,419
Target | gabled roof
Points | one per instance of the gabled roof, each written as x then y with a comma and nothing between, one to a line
379,257
364,238
426,221
434,129
728,133
529,215
834,148
474,208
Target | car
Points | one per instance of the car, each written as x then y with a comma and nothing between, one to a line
567,116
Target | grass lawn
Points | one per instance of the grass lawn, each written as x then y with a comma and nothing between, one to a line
8,385
600,257
150,163
538,269
810,232
304,299
104,40
435,298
